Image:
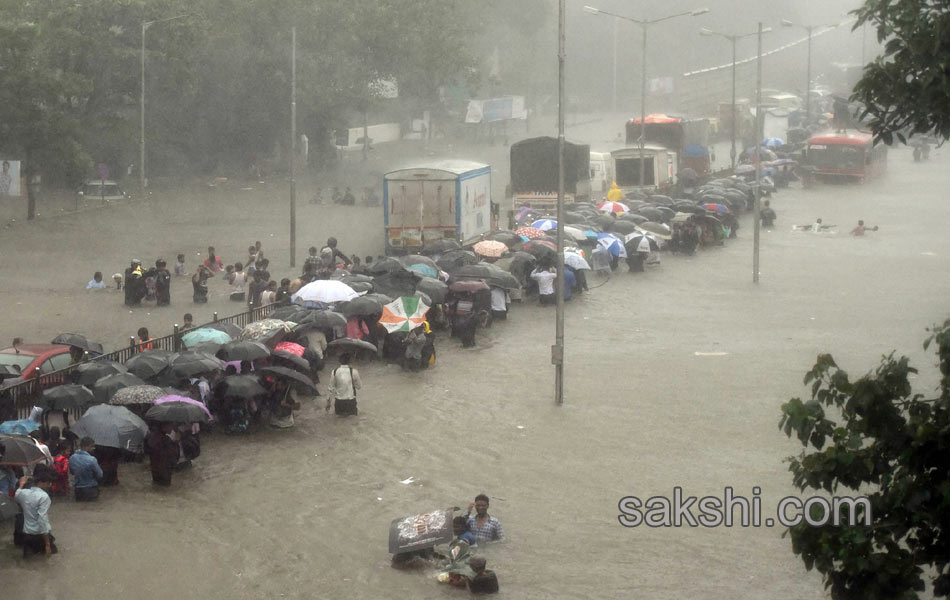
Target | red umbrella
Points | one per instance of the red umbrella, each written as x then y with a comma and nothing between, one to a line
290,347
529,232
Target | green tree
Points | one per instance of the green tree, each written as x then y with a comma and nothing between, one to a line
907,88
892,444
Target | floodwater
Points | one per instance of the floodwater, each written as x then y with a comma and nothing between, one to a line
673,377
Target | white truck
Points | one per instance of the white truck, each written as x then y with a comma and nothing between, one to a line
659,172
448,199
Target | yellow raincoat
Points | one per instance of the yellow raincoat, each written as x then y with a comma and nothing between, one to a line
615,194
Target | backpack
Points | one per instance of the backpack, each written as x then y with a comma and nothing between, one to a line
484,583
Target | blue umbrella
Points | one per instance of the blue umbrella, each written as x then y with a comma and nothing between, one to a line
424,270
773,142
205,334
545,224
23,426
612,244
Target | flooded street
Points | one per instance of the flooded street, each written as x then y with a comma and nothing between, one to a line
673,377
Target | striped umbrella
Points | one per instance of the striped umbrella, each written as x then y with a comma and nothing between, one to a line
545,224
614,207
404,314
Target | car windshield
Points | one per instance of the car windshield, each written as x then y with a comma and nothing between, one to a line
17,361
96,189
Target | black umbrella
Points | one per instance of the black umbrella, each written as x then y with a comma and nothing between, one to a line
450,261
227,327
188,364
381,298
397,283
206,347
351,344
574,218
489,273
67,397
243,350
661,200
241,387
324,319
290,312
347,277
506,237
519,264
540,249
149,363
177,412
440,246
434,288
78,340
385,265
359,286
603,221
113,427
90,372
651,213
291,376
623,227
362,307
297,361
104,388
19,450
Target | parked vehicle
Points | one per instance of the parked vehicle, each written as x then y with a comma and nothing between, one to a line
851,156
442,200
601,174
105,190
687,138
659,173
27,361
534,173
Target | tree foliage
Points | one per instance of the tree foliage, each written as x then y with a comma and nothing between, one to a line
217,79
885,441
907,88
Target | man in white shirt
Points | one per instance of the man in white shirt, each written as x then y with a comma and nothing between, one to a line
344,381
96,283
499,303
34,502
545,279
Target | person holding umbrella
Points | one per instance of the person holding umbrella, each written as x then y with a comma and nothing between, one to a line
163,452
344,381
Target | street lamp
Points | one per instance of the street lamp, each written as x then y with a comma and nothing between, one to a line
644,25
145,26
809,29
732,38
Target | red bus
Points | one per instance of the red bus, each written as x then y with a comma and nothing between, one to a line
851,156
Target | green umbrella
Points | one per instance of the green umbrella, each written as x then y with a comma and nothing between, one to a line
404,314
205,334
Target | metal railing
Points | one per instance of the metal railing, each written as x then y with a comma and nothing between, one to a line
17,400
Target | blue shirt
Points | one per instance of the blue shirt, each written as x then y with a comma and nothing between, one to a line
35,504
7,481
489,532
85,469
469,537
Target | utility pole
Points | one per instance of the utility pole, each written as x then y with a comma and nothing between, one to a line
643,103
759,134
557,351
293,146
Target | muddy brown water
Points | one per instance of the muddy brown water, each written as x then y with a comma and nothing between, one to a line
305,513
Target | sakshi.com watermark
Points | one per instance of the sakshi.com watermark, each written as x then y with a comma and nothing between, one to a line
730,510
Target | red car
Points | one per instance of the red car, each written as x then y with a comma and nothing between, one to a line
27,361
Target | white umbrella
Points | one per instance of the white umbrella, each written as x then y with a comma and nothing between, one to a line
575,261
323,291
577,234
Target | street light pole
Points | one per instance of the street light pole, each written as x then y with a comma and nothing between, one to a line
644,24
293,146
733,39
643,105
557,351
142,176
758,163
808,78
